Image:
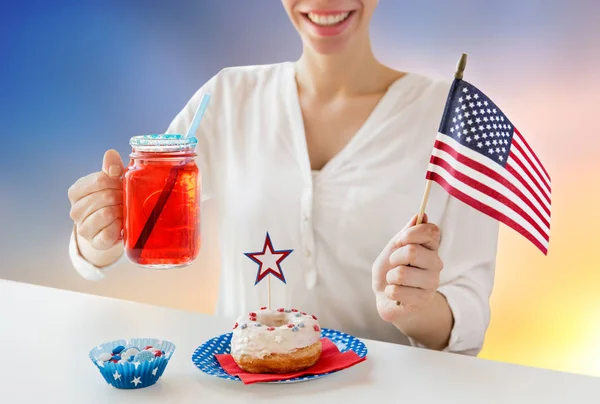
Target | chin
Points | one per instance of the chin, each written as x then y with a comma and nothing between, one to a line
329,46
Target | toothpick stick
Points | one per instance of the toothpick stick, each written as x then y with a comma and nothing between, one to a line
269,291
458,75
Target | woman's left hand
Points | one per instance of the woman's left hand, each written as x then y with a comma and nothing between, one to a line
408,271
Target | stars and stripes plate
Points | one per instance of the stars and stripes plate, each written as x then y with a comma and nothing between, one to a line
204,356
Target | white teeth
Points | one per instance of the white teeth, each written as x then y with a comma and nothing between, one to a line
330,19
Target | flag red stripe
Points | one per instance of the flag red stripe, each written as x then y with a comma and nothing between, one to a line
492,193
528,173
522,139
541,178
485,209
495,176
519,178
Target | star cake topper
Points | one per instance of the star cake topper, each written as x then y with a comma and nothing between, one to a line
269,261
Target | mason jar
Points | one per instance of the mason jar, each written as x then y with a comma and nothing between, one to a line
161,202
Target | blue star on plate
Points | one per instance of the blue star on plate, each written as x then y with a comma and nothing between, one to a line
269,261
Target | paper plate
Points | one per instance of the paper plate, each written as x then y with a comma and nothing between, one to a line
204,356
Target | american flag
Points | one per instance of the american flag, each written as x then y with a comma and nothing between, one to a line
480,158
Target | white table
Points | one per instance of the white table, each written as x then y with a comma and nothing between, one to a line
46,334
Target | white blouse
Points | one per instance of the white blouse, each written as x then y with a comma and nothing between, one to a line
254,162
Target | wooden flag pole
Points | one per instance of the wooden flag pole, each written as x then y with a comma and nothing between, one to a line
458,75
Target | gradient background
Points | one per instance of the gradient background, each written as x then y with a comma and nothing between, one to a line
77,79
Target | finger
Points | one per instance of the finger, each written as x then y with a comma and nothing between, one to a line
98,220
413,221
112,165
426,234
108,236
407,295
92,183
415,255
412,277
87,205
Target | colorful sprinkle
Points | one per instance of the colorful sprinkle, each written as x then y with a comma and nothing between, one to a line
316,328
144,356
114,361
158,353
252,314
301,325
290,325
270,328
257,324
281,310
235,326
313,316
295,329
297,315
288,311
303,313
263,308
118,350
104,357
295,310
243,326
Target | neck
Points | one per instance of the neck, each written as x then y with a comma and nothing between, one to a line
355,71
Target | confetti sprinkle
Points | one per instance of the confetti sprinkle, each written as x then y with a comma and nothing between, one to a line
295,329
270,328
295,310
301,325
243,326
263,308
252,314
316,328
104,357
144,356
297,315
235,326
290,325
313,316
281,310
118,350
257,324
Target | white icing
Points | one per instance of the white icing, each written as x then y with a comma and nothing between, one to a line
258,341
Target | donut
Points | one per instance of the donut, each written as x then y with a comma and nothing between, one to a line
276,341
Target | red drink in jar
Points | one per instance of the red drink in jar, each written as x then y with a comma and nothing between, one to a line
161,212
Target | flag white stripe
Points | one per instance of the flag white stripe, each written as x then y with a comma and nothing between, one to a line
498,169
489,201
532,173
488,181
519,138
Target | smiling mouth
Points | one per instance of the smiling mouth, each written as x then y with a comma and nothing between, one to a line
327,19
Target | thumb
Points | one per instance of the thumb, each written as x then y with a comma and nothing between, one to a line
413,221
112,165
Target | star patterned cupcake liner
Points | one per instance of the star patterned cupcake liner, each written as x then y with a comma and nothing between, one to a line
132,374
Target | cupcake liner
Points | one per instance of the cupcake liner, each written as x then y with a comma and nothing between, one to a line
133,375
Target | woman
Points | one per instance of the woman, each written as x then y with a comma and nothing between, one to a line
328,155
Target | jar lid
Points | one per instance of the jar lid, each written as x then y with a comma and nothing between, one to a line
163,143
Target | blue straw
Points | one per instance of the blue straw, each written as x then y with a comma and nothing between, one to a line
198,116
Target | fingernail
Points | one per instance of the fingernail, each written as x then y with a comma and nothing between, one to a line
114,171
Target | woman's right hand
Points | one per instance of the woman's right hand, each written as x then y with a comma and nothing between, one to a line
97,211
